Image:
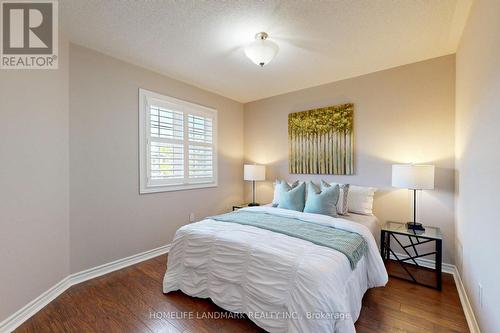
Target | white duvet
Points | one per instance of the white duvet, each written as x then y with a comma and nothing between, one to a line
283,284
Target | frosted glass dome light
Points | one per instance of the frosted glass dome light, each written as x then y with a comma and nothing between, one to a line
261,51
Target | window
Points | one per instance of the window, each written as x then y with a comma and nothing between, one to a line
178,144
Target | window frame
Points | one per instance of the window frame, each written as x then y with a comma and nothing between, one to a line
146,98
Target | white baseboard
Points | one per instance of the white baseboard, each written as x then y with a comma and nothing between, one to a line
469,313
464,300
20,316
23,314
117,264
447,268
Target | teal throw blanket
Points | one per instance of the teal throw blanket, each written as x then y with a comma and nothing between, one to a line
351,244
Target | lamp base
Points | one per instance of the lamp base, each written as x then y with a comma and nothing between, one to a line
253,204
415,226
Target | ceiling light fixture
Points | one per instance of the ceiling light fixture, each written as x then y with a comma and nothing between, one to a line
261,51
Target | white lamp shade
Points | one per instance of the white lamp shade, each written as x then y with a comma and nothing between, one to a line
254,172
261,51
413,176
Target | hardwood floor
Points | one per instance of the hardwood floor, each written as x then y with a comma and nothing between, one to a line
129,299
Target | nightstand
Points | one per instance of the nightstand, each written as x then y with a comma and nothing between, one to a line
236,207
393,230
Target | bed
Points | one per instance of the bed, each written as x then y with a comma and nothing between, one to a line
282,283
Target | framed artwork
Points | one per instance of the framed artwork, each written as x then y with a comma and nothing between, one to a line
321,140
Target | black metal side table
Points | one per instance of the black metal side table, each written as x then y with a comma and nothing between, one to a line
416,238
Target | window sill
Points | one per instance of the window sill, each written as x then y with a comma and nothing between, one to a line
171,188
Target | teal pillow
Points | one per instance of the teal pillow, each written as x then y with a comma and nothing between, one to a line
292,197
276,198
322,201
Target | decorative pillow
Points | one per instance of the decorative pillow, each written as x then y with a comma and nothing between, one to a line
322,201
292,198
360,199
277,185
344,192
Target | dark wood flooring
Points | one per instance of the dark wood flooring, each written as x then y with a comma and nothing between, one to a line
127,301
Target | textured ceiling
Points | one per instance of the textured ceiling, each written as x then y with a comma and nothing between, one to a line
201,42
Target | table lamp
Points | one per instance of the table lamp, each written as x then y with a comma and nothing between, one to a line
413,177
253,173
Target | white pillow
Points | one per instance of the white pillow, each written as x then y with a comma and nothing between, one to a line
360,199
342,208
276,197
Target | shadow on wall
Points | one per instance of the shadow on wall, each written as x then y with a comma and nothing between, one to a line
374,172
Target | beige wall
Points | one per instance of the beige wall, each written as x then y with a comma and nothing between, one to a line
34,249
109,219
478,160
405,114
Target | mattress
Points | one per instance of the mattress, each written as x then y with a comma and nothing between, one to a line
369,221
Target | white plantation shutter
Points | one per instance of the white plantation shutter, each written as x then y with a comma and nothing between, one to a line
167,161
200,129
167,124
166,144
178,144
200,162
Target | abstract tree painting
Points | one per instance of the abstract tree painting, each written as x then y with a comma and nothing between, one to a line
321,141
